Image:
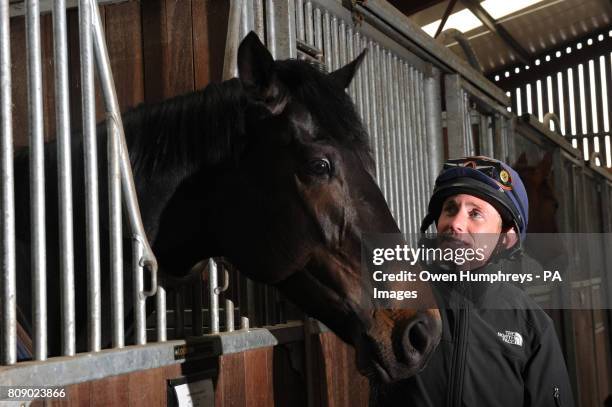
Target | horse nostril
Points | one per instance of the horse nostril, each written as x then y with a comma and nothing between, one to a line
416,340
418,337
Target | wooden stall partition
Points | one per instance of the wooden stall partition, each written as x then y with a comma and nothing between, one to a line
243,379
335,379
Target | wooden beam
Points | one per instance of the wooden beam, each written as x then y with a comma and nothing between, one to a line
449,9
496,28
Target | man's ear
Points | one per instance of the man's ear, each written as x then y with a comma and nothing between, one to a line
342,77
510,237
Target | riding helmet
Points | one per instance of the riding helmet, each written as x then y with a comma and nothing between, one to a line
489,179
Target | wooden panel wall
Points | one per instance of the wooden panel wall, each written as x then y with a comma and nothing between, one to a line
158,49
337,383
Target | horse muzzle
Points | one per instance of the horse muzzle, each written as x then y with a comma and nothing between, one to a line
399,344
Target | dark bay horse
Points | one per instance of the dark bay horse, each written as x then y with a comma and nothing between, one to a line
272,171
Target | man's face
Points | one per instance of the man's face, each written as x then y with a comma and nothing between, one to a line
469,222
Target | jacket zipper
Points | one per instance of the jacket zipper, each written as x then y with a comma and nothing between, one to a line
456,378
556,396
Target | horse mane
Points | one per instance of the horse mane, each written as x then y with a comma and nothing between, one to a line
206,128
202,128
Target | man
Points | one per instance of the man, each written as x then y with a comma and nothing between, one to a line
498,347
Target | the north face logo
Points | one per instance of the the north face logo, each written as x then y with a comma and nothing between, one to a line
513,338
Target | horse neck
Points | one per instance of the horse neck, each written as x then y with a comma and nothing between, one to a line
178,150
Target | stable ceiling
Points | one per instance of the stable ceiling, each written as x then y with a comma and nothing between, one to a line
544,26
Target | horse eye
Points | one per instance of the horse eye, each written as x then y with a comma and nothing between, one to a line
319,167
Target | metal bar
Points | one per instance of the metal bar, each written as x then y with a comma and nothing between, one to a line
214,296
327,48
299,19
411,126
433,108
342,44
404,152
498,29
91,176
130,199
397,136
64,171
335,63
364,79
308,24
160,304
318,33
424,178
140,317
282,22
386,132
229,315
258,17
417,140
116,232
271,27
244,323
9,291
37,180
230,69
373,113
447,13
353,43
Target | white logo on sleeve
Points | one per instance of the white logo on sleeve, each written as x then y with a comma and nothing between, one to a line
513,338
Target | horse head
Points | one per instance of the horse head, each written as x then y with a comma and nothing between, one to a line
294,203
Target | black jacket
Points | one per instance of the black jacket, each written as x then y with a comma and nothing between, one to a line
498,348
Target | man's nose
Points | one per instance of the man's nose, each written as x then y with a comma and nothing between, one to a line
458,222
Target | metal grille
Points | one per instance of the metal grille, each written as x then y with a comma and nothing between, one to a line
121,187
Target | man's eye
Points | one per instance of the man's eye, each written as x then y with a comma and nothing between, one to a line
320,167
476,214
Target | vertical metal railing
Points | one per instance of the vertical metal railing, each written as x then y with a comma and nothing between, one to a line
88,102
37,180
121,187
64,170
9,289
143,257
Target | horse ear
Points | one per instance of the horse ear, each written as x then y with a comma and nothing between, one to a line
254,62
522,160
343,76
